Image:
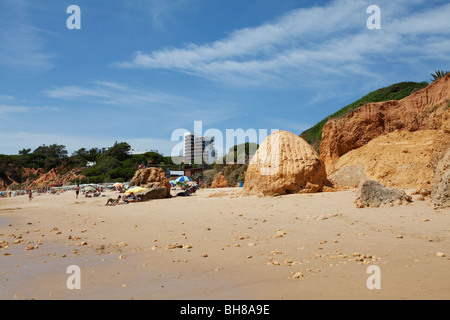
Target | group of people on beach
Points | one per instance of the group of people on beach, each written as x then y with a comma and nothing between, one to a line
125,199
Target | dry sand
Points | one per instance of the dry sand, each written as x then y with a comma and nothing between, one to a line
233,247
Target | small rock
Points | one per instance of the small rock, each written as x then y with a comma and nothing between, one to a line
440,254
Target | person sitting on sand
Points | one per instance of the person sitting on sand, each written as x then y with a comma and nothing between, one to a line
112,202
187,192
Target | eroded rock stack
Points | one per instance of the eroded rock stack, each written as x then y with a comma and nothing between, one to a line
284,164
154,179
219,181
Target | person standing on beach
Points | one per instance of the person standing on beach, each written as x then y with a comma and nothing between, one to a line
30,195
77,190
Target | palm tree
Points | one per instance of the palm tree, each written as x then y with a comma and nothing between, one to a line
439,74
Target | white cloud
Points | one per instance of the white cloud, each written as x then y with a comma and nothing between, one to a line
11,109
166,109
7,109
116,94
308,42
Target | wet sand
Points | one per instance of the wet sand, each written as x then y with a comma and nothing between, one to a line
219,245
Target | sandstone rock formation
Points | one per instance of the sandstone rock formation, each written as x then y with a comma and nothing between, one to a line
219,181
284,164
373,194
27,178
349,176
440,194
399,159
54,177
153,179
157,192
422,110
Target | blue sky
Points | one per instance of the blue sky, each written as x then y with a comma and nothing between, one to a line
140,69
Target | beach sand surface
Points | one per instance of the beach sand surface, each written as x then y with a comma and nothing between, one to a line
219,245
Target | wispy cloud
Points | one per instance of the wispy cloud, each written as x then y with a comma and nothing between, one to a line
307,43
12,109
21,44
114,93
177,110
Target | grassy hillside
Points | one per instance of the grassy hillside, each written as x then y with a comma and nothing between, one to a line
396,91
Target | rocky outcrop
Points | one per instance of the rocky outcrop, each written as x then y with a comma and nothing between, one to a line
157,192
284,164
219,181
153,179
373,194
349,176
440,194
422,110
400,159
27,178
54,177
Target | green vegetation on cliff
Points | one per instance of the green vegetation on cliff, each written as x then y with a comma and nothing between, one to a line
396,91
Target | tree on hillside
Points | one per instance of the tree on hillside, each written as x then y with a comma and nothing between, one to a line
119,151
439,74
53,151
24,152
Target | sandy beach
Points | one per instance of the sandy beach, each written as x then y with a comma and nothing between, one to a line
217,244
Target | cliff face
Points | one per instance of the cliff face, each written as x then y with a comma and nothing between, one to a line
423,110
27,178
15,175
400,159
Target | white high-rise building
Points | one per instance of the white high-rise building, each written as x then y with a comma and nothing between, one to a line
198,149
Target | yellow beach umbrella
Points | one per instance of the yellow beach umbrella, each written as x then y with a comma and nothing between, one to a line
136,189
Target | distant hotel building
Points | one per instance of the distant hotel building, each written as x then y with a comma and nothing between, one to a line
198,149
134,152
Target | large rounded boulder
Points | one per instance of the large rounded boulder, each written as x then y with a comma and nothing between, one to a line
284,164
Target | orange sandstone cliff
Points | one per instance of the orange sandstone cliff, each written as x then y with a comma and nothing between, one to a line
423,110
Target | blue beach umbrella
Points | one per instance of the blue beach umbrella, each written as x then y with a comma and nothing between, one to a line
183,179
